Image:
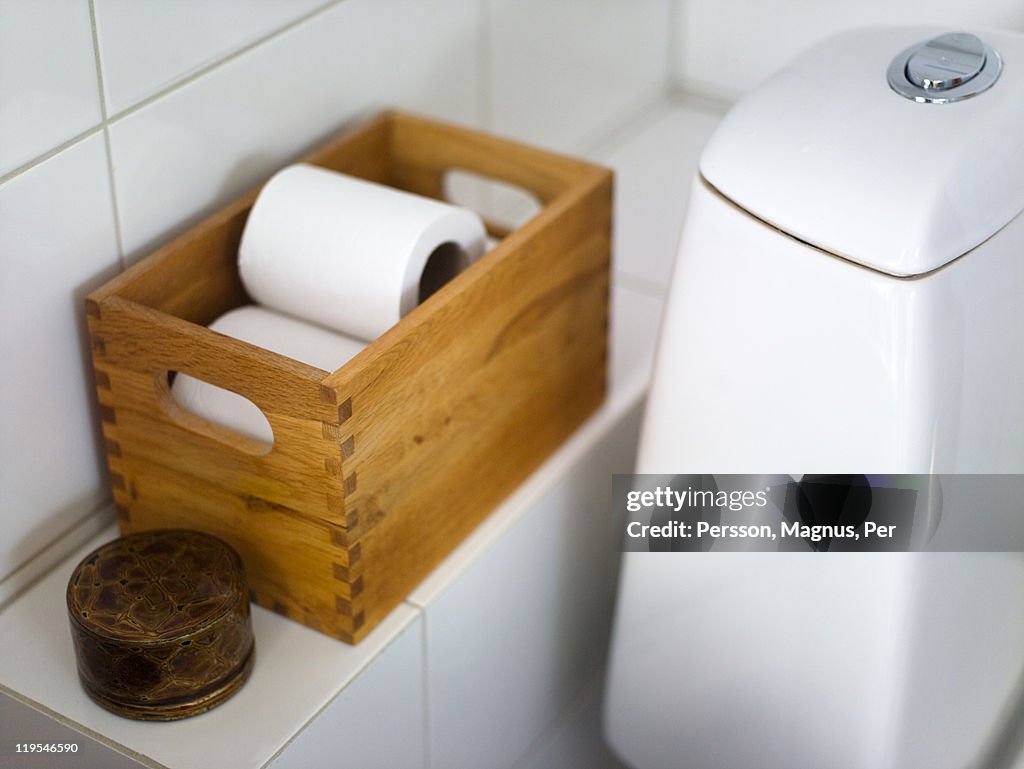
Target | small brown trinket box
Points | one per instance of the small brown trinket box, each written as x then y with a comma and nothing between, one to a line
161,624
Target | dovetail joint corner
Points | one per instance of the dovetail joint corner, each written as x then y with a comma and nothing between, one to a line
345,410
335,504
348,447
328,395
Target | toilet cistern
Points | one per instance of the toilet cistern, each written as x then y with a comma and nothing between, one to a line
846,300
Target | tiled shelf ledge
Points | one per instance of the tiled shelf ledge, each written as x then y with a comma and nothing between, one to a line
298,671
301,674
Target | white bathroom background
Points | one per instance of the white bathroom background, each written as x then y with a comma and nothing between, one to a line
122,122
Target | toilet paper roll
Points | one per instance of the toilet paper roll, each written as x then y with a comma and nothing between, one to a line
273,331
350,254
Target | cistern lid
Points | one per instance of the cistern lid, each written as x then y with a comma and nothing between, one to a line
897,148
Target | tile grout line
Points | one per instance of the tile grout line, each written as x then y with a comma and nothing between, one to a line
593,681
485,108
101,127
51,153
703,91
484,62
307,722
98,737
428,760
702,100
676,17
640,285
142,103
66,534
630,123
118,236
226,59
115,209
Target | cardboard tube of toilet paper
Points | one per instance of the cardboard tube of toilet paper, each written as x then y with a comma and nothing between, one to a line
272,331
350,254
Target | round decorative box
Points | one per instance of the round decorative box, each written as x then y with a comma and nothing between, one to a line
161,624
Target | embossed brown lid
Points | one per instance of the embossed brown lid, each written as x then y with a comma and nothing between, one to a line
161,623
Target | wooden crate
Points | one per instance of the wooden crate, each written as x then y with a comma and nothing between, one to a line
379,469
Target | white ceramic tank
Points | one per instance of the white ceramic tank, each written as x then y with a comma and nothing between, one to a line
847,298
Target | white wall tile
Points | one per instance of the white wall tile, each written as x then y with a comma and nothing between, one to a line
564,73
48,90
145,47
654,169
58,243
514,638
197,147
725,48
377,722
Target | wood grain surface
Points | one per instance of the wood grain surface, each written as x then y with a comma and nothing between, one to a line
379,469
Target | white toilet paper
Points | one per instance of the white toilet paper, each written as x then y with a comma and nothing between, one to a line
347,253
273,331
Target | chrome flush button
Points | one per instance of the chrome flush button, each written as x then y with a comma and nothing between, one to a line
945,69
946,61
